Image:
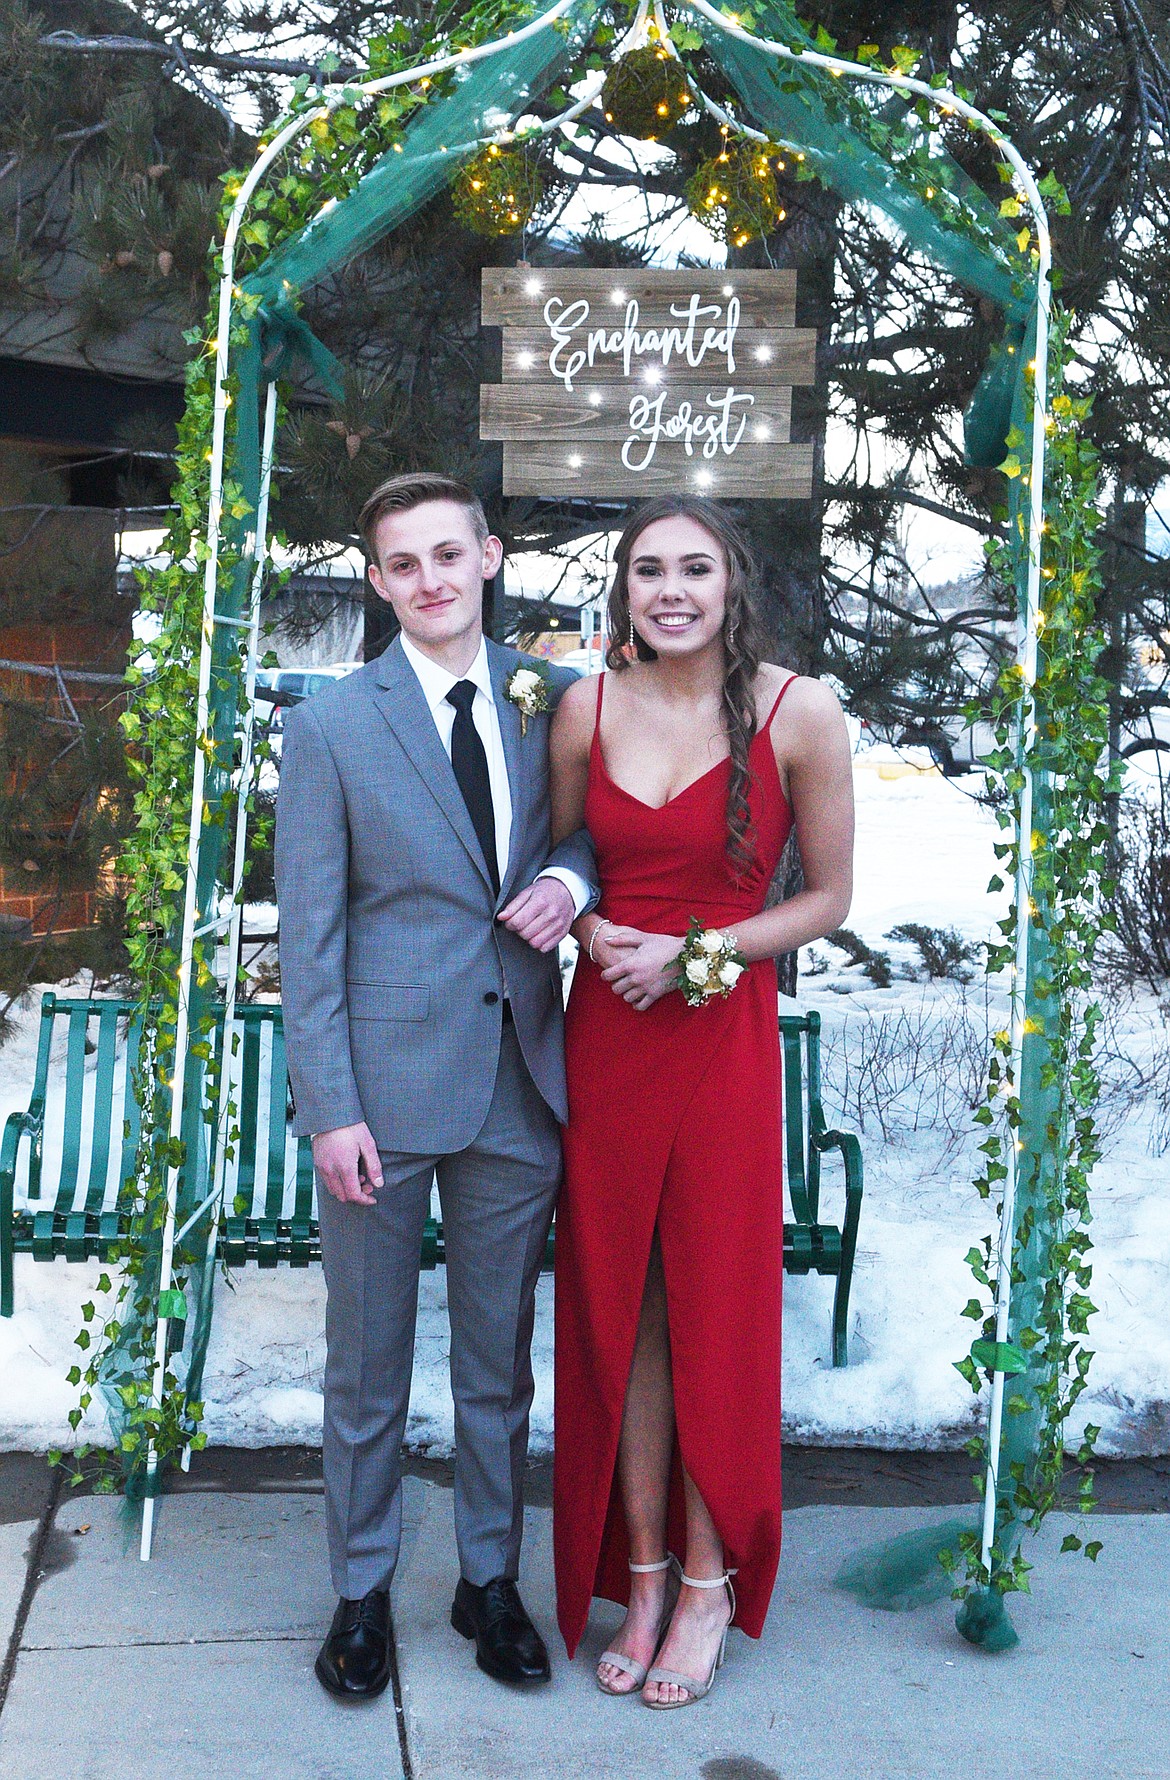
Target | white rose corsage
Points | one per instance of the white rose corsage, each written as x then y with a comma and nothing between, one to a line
528,689
709,964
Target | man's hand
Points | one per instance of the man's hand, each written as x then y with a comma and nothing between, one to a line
347,1161
541,915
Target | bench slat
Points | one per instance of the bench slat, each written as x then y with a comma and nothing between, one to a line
248,1115
103,1095
303,1203
791,1032
131,1111
74,1093
277,1123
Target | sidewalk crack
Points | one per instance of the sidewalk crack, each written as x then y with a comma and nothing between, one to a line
32,1579
176,1643
399,1710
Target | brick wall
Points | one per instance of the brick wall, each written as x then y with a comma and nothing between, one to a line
59,605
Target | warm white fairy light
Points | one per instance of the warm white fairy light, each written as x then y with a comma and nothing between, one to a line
525,360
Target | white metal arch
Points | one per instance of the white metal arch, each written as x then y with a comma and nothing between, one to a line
942,98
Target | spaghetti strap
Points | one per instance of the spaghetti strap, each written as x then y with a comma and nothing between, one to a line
597,718
767,726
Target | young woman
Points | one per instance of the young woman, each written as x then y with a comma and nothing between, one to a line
690,760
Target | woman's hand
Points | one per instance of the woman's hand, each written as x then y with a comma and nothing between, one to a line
643,972
612,943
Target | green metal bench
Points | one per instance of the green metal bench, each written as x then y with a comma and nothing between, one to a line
65,1164
809,1245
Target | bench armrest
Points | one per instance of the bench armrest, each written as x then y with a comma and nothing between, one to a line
849,1148
822,1143
847,1143
17,1125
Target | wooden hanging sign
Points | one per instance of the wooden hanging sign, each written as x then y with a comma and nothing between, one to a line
632,383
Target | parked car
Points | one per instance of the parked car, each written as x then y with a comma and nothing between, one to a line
277,688
955,747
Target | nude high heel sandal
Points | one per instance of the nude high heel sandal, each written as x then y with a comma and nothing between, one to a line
627,1664
696,1690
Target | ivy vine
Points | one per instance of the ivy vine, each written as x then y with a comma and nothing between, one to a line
1070,910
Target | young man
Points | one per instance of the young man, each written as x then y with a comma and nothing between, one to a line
420,912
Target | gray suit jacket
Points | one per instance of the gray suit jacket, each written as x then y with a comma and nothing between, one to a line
393,969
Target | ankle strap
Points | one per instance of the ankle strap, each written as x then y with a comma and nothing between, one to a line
709,1581
652,1569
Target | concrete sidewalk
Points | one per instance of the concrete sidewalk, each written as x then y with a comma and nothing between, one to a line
200,1664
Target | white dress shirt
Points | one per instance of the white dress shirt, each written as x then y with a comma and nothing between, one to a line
436,683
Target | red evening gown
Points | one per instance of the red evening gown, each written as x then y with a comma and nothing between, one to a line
674,1120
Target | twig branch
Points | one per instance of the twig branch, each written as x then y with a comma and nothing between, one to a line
58,673
142,46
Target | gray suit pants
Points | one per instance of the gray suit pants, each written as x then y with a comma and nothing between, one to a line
497,1199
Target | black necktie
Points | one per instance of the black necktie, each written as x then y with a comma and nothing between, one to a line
471,770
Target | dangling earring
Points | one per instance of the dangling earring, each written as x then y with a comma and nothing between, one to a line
633,636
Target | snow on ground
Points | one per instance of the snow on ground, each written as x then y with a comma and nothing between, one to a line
902,1068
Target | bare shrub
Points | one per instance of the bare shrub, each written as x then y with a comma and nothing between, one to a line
1135,1076
1138,951
911,1068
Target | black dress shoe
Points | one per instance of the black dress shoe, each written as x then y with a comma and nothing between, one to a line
507,1644
354,1662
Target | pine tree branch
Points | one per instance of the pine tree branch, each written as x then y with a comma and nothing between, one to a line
202,58
839,491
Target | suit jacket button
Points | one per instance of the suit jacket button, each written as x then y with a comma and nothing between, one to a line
491,998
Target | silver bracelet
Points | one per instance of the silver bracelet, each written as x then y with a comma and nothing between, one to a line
602,923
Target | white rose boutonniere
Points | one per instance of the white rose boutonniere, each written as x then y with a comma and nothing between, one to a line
709,964
528,689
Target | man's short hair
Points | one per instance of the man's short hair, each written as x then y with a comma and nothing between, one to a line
402,493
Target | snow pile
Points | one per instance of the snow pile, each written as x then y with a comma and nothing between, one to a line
901,1068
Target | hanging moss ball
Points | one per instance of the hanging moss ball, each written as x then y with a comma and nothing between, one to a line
735,194
496,193
645,93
